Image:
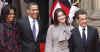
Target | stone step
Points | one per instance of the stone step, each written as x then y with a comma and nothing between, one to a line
95,14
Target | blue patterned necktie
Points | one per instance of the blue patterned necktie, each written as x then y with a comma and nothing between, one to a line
34,29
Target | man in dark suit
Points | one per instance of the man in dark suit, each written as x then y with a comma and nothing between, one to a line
29,28
84,37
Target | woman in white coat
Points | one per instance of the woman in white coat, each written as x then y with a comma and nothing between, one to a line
58,33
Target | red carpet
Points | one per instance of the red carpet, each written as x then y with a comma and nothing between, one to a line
42,47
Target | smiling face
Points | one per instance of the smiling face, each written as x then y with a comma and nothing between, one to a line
10,16
83,20
61,17
33,11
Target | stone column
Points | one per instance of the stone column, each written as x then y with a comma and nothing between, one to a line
96,4
87,5
83,4
96,7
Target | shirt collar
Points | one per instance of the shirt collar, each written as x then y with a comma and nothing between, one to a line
80,28
31,19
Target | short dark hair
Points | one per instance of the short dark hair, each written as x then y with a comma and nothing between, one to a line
5,12
55,16
80,12
32,3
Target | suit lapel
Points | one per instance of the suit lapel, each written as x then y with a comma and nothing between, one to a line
78,34
89,33
28,28
39,30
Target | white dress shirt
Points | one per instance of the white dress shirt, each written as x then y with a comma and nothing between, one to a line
36,25
81,30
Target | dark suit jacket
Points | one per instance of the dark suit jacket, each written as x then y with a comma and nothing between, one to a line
28,42
92,38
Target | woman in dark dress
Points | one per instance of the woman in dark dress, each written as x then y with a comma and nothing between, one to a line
9,32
